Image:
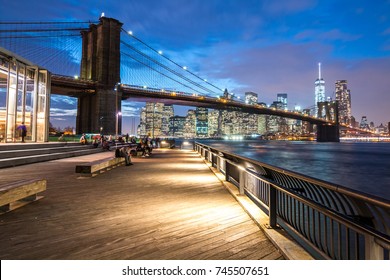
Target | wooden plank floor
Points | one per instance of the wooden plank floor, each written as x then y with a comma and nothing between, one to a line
168,206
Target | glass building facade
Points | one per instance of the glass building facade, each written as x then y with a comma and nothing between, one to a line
24,98
319,92
202,127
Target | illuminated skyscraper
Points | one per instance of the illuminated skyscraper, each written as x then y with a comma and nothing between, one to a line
201,122
214,122
250,121
251,97
190,125
319,91
364,123
274,122
177,126
154,120
167,113
282,98
343,96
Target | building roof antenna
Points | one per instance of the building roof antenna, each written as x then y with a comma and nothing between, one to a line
319,70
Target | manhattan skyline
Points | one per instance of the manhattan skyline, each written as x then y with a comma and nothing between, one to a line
265,47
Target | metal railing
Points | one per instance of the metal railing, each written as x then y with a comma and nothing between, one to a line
329,220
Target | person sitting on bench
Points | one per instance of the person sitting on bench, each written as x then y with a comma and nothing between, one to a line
124,152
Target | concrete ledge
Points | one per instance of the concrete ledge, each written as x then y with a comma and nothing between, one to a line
288,247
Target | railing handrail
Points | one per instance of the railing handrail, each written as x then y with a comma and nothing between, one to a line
337,217
376,200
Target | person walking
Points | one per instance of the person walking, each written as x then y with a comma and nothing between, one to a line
23,131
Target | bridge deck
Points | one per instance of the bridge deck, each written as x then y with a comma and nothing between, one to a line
168,206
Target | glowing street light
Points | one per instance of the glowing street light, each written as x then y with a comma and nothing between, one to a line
117,124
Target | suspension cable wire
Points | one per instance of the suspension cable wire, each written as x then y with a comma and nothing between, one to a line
55,46
160,72
49,42
170,60
41,30
41,36
48,22
167,68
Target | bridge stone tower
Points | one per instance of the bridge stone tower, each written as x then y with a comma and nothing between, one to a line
98,112
328,132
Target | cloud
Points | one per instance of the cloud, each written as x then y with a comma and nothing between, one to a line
60,112
58,119
286,6
324,36
63,100
370,89
386,32
267,69
131,108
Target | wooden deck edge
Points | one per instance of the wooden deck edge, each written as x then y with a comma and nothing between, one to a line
290,249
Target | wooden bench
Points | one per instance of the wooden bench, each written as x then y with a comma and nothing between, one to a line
20,193
93,168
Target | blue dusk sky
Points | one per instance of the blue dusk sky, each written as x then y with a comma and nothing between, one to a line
264,46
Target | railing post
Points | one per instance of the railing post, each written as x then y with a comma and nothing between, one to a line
218,164
226,171
373,250
242,181
272,206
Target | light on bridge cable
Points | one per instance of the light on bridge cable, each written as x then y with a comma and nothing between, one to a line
185,67
130,32
160,52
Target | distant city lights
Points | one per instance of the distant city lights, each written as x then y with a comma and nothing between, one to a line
234,137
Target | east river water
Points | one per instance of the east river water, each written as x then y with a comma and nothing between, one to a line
363,166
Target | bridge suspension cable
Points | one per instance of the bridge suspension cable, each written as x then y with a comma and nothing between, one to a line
57,46
168,70
54,45
161,73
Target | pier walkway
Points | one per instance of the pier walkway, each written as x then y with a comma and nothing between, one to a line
167,206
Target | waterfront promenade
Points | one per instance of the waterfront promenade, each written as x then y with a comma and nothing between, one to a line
167,206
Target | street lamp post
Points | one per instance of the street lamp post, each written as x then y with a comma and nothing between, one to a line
117,124
154,108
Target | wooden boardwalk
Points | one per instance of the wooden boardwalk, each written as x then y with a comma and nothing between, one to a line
168,206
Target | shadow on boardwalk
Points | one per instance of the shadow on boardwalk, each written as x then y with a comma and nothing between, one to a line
168,206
